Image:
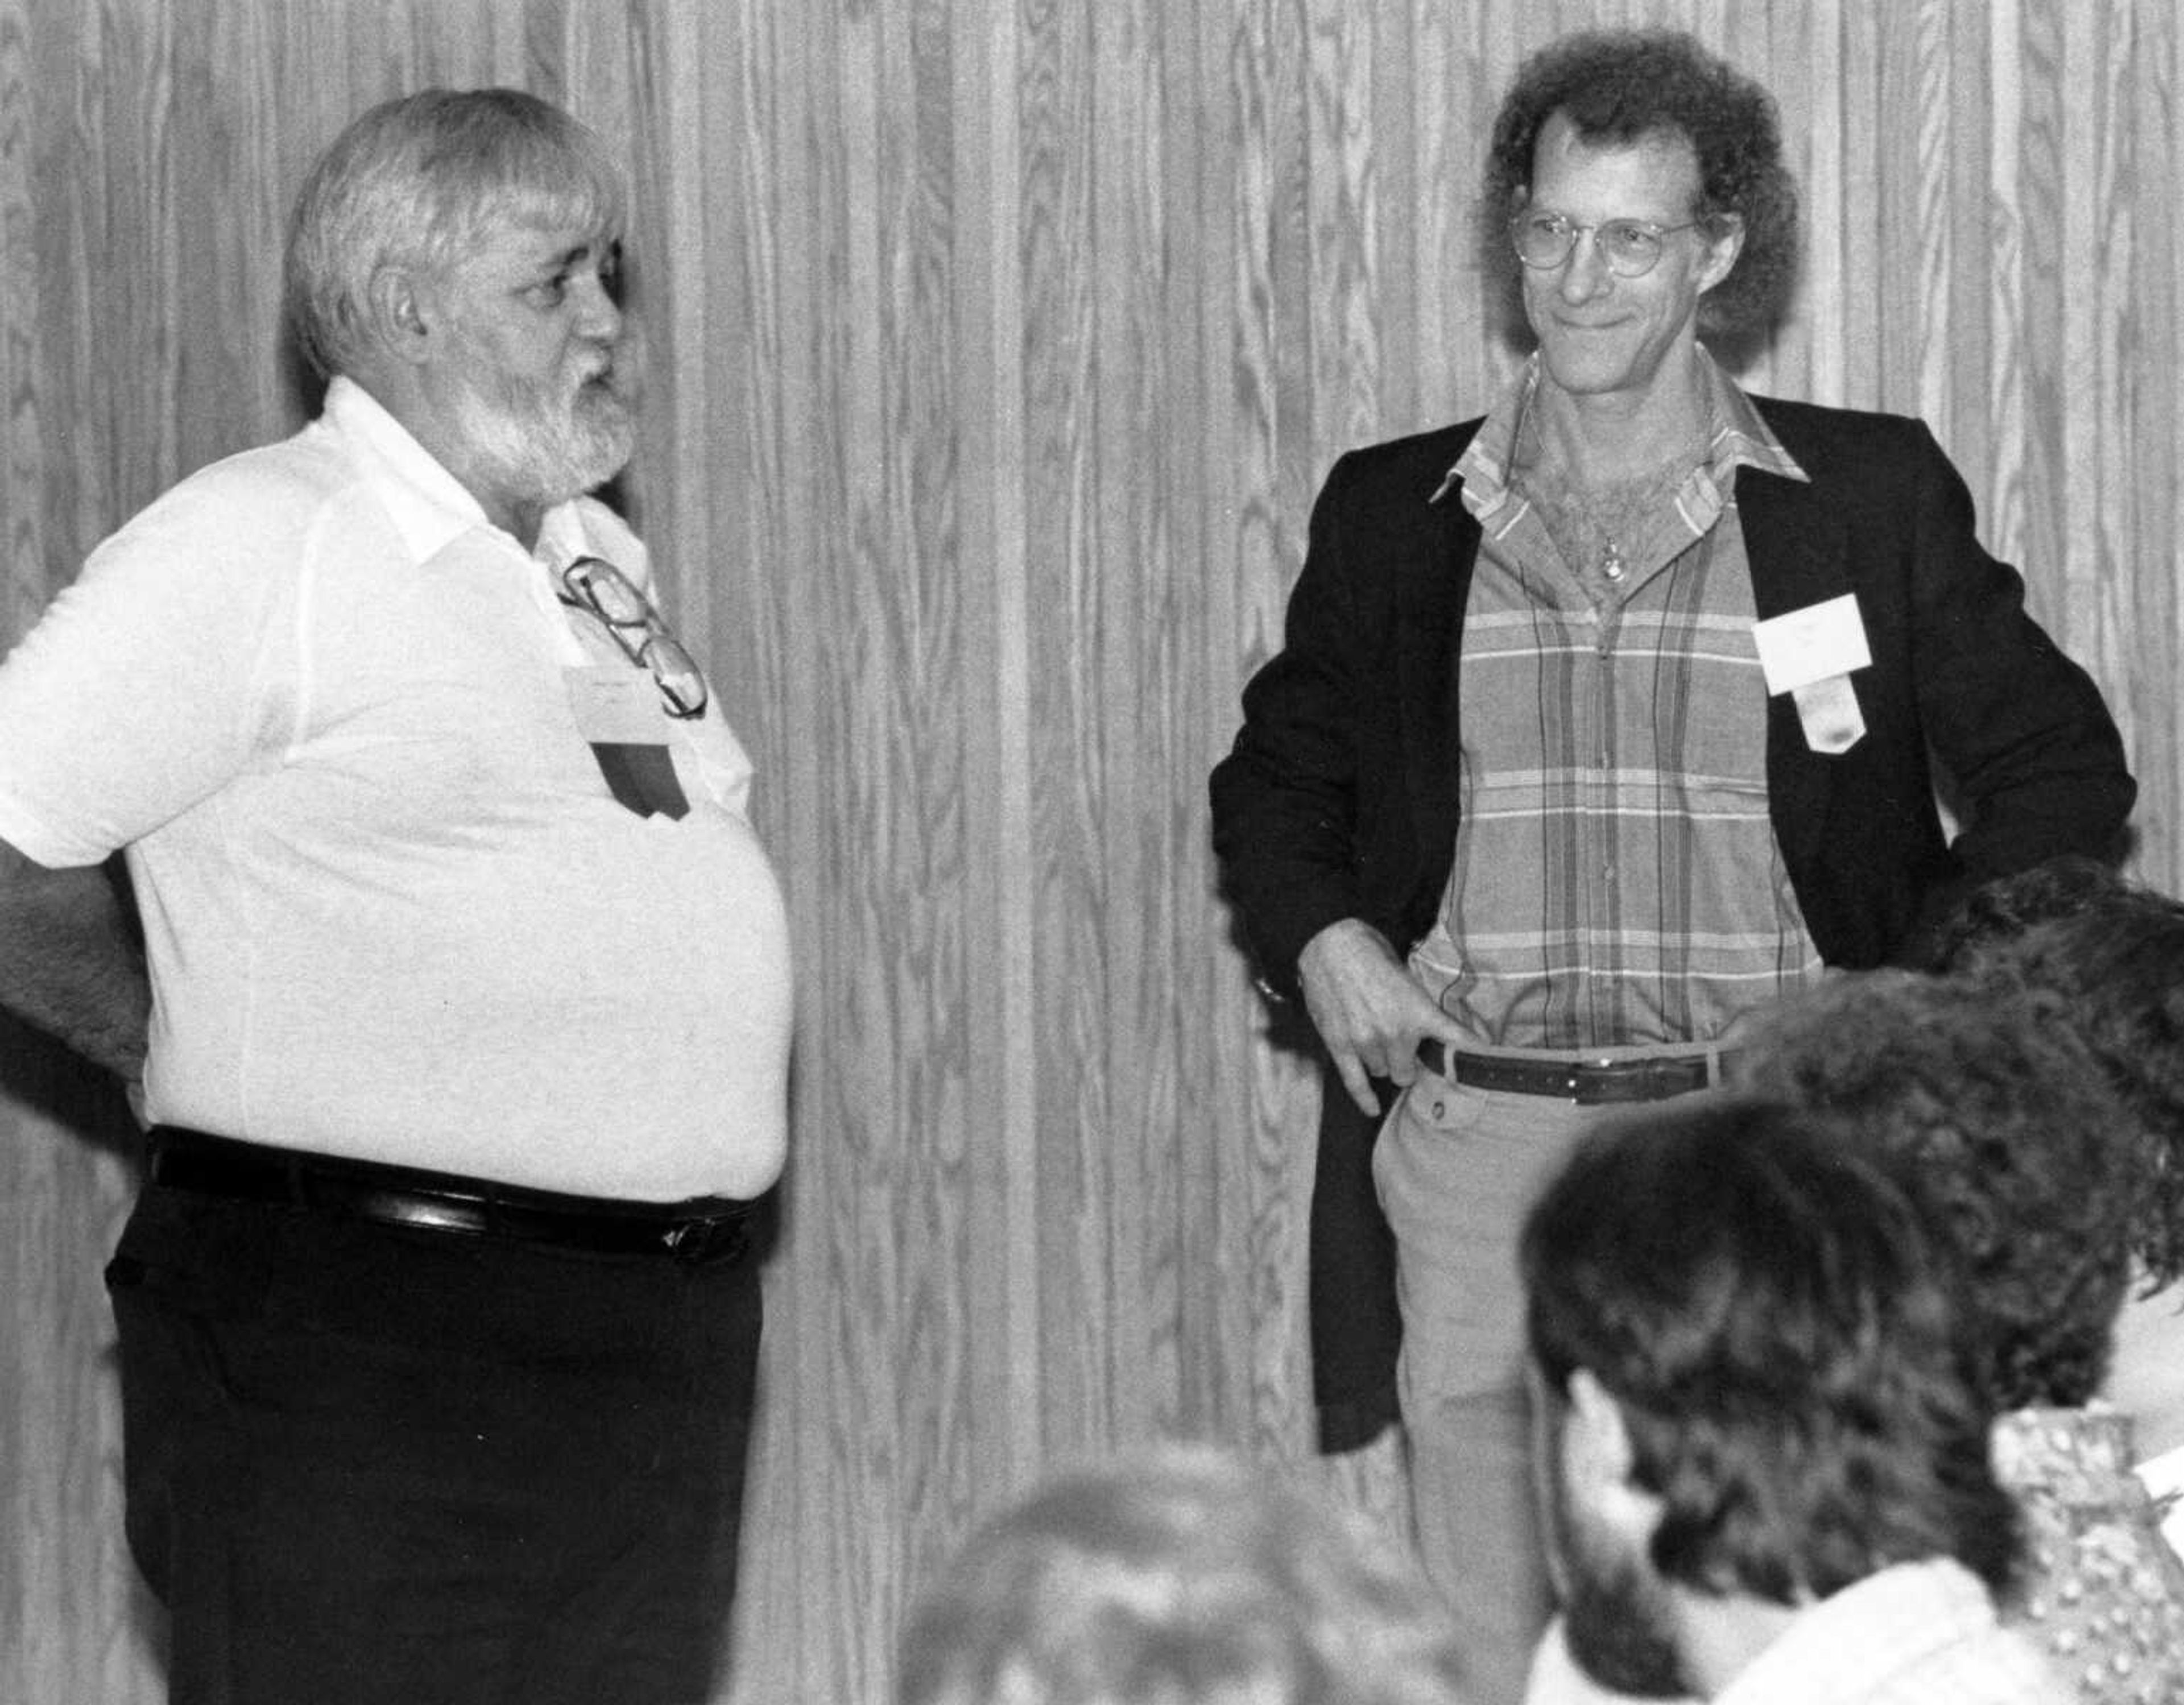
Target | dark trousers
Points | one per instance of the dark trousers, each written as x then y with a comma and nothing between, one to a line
369,1464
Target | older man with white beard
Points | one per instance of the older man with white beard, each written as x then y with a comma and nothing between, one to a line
470,982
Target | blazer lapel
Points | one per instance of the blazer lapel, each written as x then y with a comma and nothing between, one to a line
1430,593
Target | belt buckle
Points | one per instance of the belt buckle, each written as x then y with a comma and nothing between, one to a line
1613,1082
1619,1081
692,1241
1591,1083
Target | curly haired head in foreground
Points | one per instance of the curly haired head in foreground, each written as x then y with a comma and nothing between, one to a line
1767,1305
2116,972
1986,1092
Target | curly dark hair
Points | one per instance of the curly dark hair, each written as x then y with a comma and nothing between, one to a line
1619,87
1997,913
1771,1309
2117,973
2016,1139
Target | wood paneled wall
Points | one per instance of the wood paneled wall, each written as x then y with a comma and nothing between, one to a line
997,351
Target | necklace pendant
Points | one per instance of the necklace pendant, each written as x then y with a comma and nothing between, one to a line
1611,564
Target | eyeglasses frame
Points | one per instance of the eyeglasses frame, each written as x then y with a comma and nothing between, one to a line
1577,229
579,577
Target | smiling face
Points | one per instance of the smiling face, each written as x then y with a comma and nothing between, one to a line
527,371
1602,335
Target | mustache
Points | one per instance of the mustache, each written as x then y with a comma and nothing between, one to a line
617,369
607,373
612,387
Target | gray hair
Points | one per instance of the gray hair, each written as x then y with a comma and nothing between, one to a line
1180,1574
416,181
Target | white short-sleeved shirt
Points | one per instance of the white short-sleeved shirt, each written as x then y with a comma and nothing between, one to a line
392,909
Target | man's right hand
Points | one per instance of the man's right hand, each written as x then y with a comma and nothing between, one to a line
1369,1011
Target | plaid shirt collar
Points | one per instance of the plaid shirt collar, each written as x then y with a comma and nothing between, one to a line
1736,437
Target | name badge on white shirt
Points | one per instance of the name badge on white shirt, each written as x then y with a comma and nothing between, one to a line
615,704
617,711
1810,654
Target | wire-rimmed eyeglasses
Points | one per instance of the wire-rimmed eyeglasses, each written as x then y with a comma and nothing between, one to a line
595,584
1631,247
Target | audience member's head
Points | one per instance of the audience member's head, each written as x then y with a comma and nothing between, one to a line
1757,1389
1181,1576
2113,955
2013,1135
1999,913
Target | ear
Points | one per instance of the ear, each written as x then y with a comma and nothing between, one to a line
1722,250
1595,1439
401,313
1599,1460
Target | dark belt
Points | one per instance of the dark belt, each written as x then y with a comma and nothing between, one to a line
1589,1083
710,1228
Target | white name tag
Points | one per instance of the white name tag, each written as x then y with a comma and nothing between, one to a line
615,706
1811,644
1829,714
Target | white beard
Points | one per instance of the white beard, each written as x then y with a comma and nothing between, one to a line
537,448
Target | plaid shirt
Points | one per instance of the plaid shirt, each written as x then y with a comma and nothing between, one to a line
1615,881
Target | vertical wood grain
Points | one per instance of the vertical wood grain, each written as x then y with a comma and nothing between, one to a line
996,351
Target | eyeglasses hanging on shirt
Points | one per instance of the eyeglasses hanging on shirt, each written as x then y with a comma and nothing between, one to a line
628,741
595,584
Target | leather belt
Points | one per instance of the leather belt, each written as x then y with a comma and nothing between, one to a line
708,1229
1589,1083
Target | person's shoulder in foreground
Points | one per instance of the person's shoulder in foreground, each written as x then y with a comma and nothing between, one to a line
1955,1653
1914,1634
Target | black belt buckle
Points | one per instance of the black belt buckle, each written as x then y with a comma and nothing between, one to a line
696,1242
1608,1082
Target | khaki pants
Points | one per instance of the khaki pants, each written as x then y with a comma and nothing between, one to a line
1456,1169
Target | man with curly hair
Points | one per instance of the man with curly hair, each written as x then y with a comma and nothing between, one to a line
1765,1437
1600,722
2113,954
1984,1093
2012,1131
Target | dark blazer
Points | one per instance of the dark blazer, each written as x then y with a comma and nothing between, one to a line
1338,799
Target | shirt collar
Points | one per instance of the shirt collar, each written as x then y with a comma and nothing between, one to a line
1847,1645
430,508
1736,437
